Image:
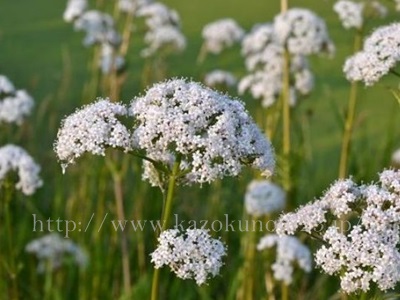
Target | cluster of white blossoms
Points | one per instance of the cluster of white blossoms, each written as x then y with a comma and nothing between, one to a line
352,14
16,159
100,29
264,60
379,56
164,33
52,250
74,9
264,197
92,129
289,253
193,254
220,35
218,78
366,253
208,133
15,105
132,6
396,158
302,32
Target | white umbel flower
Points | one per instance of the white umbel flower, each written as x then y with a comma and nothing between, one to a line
264,197
380,54
158,15
302,32
221,34
15,107
110,60
92,129
51,250
289,253
16,159
99,28
132,6
365,253
211,134
6,86
350,13
220,78
168,39
193,254
75,8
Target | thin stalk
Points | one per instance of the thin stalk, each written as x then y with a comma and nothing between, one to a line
349,123
249,264
284,5
284,291
286,122
165,219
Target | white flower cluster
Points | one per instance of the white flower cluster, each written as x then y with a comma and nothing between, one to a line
302,32
289,252
380,54
74,9
396,158
210,134
264,197
369,251
15,105
164,33
193,254
92,129
16,159
264,59
51,250
99,28
352,14
132,6
218,78
221,34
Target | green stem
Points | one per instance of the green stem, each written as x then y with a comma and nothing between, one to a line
286,122
284,6
249,263
284,291
165,219
349,123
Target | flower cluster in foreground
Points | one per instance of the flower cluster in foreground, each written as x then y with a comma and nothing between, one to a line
193,254
380,54
289,252
209,134
16,159
15,105
264,197
52,250
369,251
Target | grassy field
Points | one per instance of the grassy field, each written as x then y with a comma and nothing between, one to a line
41,53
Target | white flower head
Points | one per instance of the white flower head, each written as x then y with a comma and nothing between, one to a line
6,86
92,129
350,13
210,134
168,39
264,197
363,254
220,78
132,6
52,250
193,254
74,9
302,32
16,159
15,107
110,60
289,252
158,15
99,28
221,34
380,54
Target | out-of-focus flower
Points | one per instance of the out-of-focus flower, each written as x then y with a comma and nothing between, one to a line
52,251
16,159
132,6
290,252
193,254
221,34
166,39
220,78
74,9
264,197
110,60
